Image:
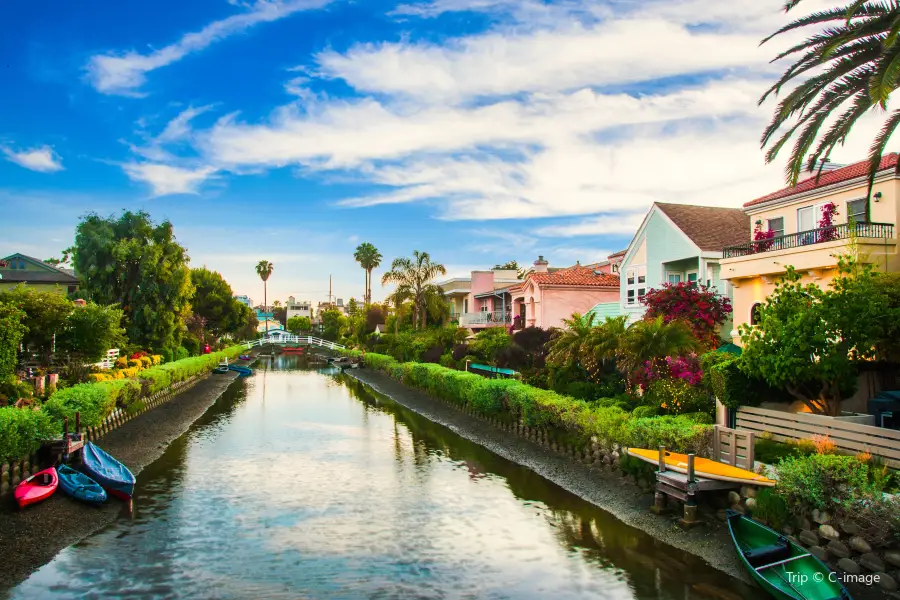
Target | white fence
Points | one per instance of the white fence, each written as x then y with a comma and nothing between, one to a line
109,360
295,339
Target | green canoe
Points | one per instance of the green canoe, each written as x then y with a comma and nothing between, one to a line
784,569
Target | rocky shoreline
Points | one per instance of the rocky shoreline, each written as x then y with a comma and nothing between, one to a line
39,534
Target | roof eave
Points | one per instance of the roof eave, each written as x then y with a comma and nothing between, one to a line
880,177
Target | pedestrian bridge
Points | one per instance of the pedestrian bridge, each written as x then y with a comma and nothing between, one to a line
281,338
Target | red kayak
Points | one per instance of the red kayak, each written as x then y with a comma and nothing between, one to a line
39,486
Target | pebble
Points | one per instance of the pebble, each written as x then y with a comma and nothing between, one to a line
887,583
828,532
860,545
750,503
848,566
892,557
849,528
821,516
872,562
819,552
838,549
734,498
808,538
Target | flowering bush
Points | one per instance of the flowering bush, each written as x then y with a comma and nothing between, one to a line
701,307
763,239
827,231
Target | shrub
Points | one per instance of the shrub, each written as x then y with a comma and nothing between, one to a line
22,430
676,433
677,396
11,389
121,362
92,400
772,508
724,379
447,361
181,353
167,355
823,481
644,411
433,354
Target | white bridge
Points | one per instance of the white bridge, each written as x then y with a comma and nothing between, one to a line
282,338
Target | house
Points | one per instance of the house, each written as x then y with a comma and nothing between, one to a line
476,301
807,226
611,264
269,324
19,269
678,243
298,309
457,291
548,296
244,300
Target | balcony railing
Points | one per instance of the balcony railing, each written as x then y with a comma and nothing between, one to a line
485,319
813,236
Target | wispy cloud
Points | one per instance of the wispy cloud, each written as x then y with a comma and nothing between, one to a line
166,179
124,73
622,224
42,159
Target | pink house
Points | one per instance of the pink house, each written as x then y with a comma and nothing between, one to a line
548,297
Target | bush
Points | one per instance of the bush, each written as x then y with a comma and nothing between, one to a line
642,412
676,396
723,378
447,361
772,508
11,389
433,354
181,353
676,433
167,355
92,400
823,481
22,430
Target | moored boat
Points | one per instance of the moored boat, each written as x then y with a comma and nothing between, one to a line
784,569
221,370
115,477
703,467
80,486
36,488
242,370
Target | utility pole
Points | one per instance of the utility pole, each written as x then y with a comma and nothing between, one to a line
329,289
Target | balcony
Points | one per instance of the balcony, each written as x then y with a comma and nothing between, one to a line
882,231
495,318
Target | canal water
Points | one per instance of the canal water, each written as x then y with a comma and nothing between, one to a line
301,483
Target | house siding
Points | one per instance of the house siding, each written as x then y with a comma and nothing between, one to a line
605,309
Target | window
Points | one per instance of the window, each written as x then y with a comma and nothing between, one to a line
776,226
754,313
692,277
673,278
466,305
712,274
634,277
21,264
856,211
808,217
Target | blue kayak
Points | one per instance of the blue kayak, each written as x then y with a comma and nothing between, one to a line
108,472
80,486
242,370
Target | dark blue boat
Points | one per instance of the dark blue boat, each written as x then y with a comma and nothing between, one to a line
80,486
108,472
244,371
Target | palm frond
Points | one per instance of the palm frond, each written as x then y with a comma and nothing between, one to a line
877,149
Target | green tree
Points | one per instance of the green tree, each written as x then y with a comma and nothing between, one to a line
569,345
264,269
299,325
67,255
248,330
848,66
139,265
12,330
90,331
809,341
214,301
352,306
488,343
369,258
511,265
650,341
46,314
413,279
333,322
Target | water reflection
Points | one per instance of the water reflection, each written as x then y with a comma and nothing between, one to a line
301,483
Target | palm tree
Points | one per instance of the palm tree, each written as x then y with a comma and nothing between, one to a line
369,258
264,269
398,299
413,276
568,345
848,68
655,339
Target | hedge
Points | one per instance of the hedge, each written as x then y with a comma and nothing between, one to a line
722,375
21,430
576,419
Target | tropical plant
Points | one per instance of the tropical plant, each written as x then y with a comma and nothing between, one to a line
848,67
264,269
413,277
699,306
369,258
511,265
650,341
11,332
570,345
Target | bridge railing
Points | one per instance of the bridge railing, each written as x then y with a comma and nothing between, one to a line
295,339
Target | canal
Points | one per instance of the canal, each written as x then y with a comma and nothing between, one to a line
301,483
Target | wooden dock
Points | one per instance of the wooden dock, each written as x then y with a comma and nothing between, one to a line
684,487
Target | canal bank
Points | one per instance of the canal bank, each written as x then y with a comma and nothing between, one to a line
609,491
41,533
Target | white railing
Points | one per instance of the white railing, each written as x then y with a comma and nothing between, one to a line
486,318
109,360
295,339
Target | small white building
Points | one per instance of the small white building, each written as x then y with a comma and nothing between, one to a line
244,300
297,308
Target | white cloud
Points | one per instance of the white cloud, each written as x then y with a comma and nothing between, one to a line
125,73
600,225
42,159
166,179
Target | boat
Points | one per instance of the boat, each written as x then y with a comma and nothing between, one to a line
784,569
293,350
115,477
80,486
242,370
36,488
221,370
703,467
244,357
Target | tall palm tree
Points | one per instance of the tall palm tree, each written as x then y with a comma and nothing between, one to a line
414,275
848,68
264,269
369,258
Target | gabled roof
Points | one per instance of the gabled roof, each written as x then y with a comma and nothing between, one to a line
859,169
709,227
618,254
49,274
575,276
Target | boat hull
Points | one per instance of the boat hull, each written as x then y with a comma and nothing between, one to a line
784,569
80,486
115,477
36,488
703,467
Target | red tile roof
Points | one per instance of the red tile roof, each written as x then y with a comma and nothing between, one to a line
709,227
860,169
576,276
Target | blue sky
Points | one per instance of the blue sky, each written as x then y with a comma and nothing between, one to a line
291,130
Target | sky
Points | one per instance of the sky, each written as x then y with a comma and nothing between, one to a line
479,131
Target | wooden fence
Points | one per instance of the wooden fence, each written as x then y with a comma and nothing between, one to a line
733,447
850,438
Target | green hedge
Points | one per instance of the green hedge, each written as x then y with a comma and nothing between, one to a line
22,430
95,401
577,420
723,377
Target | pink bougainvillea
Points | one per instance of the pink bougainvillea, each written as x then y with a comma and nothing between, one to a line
827,230
701,307
686,368
762,240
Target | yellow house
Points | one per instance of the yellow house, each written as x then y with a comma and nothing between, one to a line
19,269
794,233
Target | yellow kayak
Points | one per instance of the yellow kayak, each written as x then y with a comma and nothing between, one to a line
703,467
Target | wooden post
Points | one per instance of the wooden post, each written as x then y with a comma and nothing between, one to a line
690,468
77,422
467,366
662,459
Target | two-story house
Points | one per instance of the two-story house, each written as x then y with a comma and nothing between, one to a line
19,269
796,232
476,302
678,243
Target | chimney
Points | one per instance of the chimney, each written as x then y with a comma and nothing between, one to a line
540,265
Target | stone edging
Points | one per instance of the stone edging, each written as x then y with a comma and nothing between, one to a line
11,473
